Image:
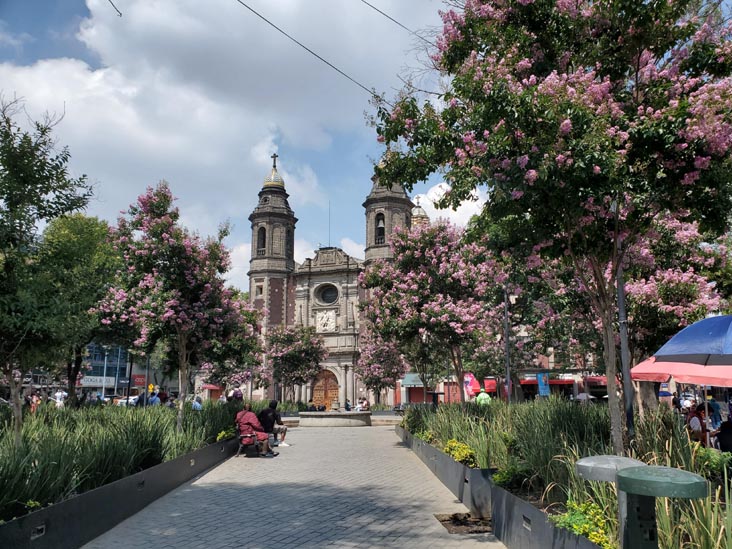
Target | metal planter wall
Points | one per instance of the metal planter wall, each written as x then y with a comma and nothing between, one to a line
74,522
518,524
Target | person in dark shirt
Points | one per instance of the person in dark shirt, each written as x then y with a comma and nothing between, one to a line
676,402
272,422
724,437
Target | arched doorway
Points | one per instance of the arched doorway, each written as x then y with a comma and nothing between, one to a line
325,389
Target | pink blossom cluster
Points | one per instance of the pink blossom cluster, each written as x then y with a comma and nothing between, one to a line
437,289
380,363
171,283
295,354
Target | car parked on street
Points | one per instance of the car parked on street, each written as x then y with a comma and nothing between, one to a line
123,401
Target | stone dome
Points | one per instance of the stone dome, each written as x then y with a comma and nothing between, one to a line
274,179
419,216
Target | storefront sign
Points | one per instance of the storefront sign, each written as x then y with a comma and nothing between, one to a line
97,381
543,381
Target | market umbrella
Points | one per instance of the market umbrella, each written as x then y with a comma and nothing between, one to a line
700,354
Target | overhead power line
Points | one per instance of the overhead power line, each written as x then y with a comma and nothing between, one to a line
303,46
115,8
390,18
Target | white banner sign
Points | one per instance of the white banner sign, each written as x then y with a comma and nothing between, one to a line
97,381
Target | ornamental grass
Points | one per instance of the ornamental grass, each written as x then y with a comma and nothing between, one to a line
64,452
533,446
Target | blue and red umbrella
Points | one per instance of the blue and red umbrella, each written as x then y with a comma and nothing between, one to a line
700,354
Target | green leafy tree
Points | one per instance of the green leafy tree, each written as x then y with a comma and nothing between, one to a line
585,119
81,265
35,188
427,361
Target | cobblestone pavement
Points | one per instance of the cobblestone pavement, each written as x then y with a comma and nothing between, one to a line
334,487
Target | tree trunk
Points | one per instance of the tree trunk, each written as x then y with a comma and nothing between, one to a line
645,397
182,378
17,405
616,418
457,363
72,373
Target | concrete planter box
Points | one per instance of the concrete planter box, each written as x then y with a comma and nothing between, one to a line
78,520
517,523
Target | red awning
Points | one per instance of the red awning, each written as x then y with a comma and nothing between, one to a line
597,380
551,382
210,387
490,385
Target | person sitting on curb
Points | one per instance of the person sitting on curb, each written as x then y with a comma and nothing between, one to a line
272,422
248,424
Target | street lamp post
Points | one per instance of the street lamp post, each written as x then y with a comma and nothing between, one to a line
104,376
116,377
507,344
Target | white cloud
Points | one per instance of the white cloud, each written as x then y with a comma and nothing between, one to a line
354,249
13,40
200,94
459,217
240,256
303,250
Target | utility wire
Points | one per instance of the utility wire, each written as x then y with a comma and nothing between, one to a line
398,23
331,65
115,8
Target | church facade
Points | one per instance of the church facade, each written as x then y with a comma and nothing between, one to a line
322,291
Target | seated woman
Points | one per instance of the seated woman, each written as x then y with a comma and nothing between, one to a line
248,424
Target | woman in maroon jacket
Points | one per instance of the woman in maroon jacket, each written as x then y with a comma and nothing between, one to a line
248,424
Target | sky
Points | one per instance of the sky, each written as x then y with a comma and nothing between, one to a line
201,94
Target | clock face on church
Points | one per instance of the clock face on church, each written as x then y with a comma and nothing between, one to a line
325,321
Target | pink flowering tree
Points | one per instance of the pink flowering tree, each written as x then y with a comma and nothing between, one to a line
380,364
585,119
238,358
294,355
436,289
171,286
672,282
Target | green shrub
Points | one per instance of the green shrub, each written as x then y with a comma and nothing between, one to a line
585,519
427,436
225,434
512,476
460,452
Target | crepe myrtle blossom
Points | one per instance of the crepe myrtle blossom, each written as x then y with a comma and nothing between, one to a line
599,99
294,354
171,284
435,288
380,364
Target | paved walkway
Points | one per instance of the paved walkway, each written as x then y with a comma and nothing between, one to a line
338,487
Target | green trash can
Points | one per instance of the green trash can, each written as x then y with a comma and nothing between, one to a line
642,486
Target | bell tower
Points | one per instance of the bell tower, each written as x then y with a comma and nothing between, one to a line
273,249
386,209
